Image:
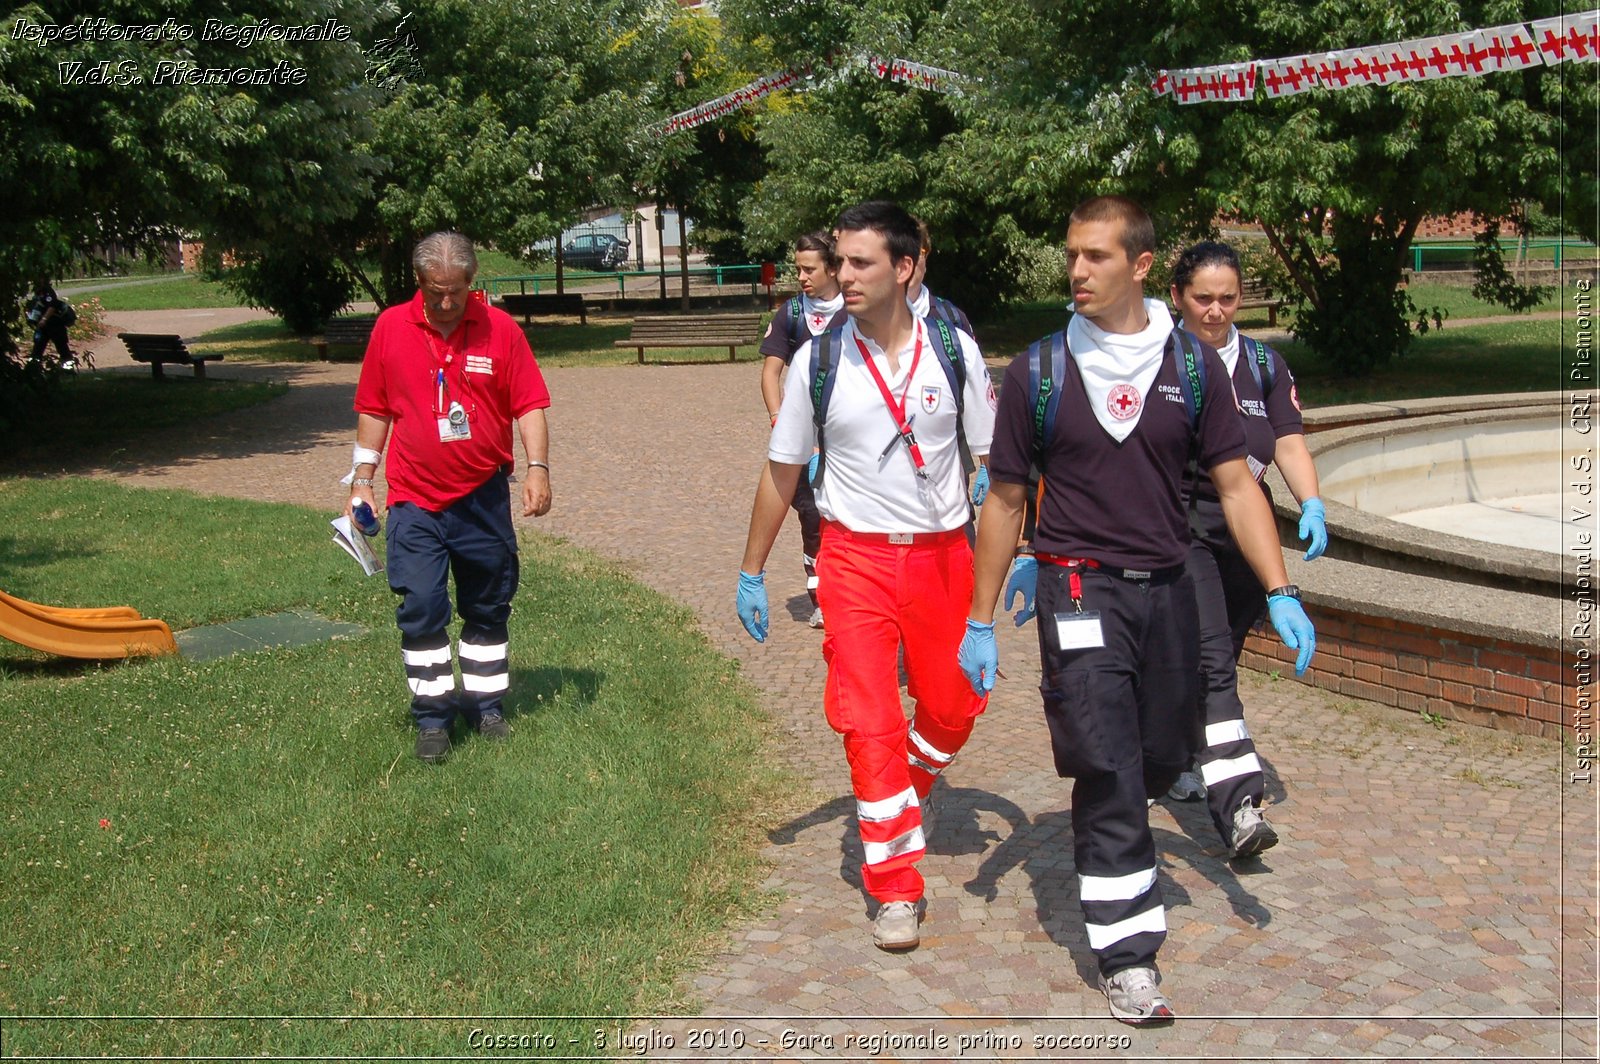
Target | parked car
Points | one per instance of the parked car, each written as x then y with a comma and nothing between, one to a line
595,251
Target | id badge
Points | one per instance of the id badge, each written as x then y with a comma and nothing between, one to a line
454,427
1079,631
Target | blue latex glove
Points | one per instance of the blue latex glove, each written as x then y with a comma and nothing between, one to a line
752,604
811,468
979,657
1314,526
1294,628
1025,582
980,485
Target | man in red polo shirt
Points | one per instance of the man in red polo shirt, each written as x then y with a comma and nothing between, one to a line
444,379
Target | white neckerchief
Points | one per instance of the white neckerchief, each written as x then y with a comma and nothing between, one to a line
823,309
919,305
1229,351
1118,369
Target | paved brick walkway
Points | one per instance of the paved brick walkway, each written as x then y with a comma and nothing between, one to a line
1434,895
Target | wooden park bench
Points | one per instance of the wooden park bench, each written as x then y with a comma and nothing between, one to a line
1255,293
160,348
346,332
527,304
694,330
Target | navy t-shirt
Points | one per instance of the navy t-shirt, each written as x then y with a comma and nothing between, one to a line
1118,503
785,335
1266,417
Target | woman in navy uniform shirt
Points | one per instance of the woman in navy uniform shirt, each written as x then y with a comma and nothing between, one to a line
1205,289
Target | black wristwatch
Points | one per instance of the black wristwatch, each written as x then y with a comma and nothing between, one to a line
1287,589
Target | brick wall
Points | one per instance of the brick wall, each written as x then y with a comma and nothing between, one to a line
1476,679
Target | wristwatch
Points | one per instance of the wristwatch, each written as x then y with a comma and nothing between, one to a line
1287,589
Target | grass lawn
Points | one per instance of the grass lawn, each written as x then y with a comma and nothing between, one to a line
555,344
252,836
1520,356
169,292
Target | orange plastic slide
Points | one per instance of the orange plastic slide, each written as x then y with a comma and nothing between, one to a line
109,632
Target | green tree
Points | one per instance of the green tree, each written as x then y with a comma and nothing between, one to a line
1340,180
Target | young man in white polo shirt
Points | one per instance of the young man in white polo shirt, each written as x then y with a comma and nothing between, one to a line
895,566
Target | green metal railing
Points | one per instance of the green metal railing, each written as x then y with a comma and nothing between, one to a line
744,273
1508,247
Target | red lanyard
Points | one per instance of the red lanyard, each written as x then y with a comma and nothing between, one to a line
1073,566
441,378
898,410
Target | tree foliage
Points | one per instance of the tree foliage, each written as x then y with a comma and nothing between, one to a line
1339,180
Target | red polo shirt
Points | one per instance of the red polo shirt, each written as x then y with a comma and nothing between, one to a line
487,367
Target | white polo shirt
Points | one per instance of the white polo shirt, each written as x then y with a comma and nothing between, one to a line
863,489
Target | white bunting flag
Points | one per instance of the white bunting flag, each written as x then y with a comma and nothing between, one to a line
1568,39
1512,47
1286,77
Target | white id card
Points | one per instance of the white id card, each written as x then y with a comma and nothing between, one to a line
1079,631
450,432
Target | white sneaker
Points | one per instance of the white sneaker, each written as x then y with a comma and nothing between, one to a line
896,926
1251,832
1135,999
816,618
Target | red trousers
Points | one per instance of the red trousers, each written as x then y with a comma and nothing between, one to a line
879,596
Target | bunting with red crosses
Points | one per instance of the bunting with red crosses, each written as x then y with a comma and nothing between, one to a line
916,74
736,100
1568,39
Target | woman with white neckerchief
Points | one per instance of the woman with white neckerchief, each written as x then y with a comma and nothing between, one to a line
1205,289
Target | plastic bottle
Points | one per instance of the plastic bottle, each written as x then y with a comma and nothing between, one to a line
365,519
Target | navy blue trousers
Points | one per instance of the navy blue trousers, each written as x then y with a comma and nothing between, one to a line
474,541
1124,722
1231,602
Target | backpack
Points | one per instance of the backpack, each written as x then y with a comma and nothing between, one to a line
823,360
1044,372
798,332
1262,366
65,314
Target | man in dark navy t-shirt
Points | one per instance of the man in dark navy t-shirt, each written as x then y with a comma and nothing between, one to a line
1117,616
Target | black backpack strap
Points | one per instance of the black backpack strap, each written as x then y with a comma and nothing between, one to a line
797,321
954,365
824,350
1262,366
1047,365
1192,371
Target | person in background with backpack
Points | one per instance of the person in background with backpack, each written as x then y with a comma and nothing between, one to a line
890,402
50,316
1205,289
818,308
923,302
1128,401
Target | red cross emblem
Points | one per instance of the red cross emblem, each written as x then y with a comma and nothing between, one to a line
1521,49
1378,70
1555,48
1439,61
1579,42
1335,71
1473,57
818,321
1274,81
1124,402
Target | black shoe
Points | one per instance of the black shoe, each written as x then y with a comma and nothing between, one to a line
493,726
433,745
